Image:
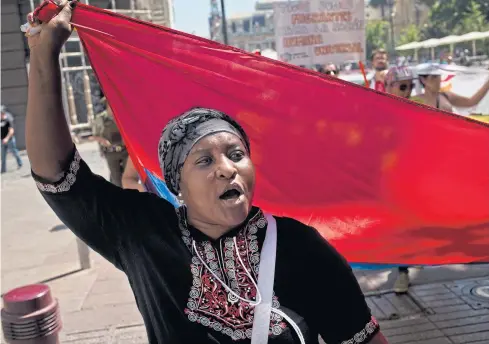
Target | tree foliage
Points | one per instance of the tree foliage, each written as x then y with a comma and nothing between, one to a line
410,34
456,17
376,35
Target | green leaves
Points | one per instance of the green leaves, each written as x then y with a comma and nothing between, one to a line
456,17
377,36
410,34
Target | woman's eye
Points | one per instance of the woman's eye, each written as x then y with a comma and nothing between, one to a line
204,161
237,155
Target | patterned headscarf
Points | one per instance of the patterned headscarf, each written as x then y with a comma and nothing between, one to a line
183,132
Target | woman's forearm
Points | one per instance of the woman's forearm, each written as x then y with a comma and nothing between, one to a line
131,183
130,177
460,101
48,139
480,94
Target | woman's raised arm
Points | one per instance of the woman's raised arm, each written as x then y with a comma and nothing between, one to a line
101,214
48,139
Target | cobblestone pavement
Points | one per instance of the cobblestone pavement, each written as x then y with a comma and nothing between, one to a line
97,305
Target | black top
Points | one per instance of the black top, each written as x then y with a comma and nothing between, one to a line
6,123
179,298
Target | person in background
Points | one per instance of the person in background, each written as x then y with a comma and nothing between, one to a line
380,63
8,139
399,82
446,59
429,76
108,136
130,177
331,70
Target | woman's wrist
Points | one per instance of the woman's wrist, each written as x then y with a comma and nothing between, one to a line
44,53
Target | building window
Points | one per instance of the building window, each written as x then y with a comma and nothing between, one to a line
239,26
259,21
246,25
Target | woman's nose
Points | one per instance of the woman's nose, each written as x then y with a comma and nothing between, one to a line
226,169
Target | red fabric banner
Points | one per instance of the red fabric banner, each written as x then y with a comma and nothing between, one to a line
387,181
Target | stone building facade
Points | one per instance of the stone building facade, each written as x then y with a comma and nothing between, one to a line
15,54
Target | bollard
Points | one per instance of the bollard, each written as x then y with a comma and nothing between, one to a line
30,315
83,254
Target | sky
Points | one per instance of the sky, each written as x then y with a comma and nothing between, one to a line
192,16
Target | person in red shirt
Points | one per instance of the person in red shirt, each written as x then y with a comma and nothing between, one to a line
380,63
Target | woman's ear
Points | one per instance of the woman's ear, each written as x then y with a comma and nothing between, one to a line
180,198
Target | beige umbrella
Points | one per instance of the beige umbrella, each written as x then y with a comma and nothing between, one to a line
430,44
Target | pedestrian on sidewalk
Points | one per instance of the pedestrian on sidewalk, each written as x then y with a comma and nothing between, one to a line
112,147
8,139
196,271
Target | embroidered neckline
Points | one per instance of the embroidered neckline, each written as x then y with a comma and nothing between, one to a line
199,236
68,179
209,304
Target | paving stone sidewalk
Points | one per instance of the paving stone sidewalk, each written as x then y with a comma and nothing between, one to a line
446,305
440,313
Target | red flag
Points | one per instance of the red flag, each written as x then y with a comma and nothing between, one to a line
387,181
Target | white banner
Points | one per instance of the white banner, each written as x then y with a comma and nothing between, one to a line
320,31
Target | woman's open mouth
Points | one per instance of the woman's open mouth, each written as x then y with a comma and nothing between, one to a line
232,194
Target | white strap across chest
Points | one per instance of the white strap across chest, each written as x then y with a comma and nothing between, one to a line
266,277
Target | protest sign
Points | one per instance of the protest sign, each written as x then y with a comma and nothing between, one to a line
320,31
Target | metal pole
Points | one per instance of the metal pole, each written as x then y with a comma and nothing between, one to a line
133,7
224,24
64,95
83,254
87,92
391,22
69,90
83,250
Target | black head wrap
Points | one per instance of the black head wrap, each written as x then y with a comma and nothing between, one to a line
183,132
